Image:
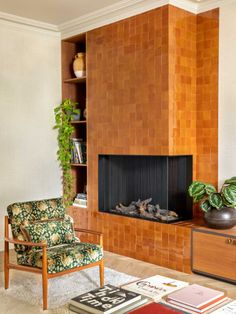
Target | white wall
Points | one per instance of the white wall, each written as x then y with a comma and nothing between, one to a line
227,92
30,86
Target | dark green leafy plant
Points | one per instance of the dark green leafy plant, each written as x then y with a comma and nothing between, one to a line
209,198
63,117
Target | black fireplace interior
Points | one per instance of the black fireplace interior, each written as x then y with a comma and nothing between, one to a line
165,179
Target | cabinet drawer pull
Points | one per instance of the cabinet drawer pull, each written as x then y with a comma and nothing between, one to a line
229,241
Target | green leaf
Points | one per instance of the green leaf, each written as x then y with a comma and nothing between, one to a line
226,203
215,200
196,188
231,180
205,206
209,188
199,197
233,187
229,194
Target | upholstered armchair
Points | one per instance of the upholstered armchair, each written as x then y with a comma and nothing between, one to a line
45,242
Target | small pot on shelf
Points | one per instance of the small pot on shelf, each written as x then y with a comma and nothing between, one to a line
225,218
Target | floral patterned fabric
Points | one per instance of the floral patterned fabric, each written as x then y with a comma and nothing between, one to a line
26,212
63,257
50,232
48,209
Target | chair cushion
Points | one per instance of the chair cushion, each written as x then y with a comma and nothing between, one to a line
52,232
26,212
48,209
63,257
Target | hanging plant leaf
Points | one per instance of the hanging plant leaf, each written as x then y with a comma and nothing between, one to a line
209,188
63,116
215,200
205,206
196,188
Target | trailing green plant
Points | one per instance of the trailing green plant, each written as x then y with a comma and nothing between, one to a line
63,117
209,198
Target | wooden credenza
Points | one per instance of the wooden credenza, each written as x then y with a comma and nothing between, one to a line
214,253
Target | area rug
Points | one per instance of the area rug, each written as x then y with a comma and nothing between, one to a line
28,287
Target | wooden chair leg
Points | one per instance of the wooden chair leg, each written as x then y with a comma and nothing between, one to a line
6,265
101,271
45,279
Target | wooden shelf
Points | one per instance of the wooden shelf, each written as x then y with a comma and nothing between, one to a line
75,89
76,80
78,165
79,122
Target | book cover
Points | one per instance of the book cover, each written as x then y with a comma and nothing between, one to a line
124,310
74,151
80,201
195,295
79,205
155,287
79,151
105,300
229,308
81,196
157,308
204,308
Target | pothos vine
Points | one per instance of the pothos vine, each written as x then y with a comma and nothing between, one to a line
63,117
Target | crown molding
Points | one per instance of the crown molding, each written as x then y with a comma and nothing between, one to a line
28,24
212,4
112,13
186,5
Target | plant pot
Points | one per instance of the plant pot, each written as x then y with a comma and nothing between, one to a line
74,116
225,218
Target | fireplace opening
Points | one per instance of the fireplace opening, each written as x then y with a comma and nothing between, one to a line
146,187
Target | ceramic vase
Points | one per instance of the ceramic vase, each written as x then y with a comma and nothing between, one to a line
79,64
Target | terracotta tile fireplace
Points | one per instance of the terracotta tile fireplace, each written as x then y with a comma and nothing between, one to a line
152,91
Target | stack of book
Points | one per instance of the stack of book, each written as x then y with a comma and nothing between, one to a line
80,200
78,151
106,300
155,287
197,299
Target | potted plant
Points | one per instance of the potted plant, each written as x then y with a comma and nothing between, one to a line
64,114
218,207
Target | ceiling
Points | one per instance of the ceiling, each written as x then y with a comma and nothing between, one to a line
53,11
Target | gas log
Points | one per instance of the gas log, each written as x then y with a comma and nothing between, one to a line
144,208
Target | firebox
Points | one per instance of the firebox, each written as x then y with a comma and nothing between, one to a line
147,187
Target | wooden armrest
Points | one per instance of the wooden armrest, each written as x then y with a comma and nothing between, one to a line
100,234
88,231
25,242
